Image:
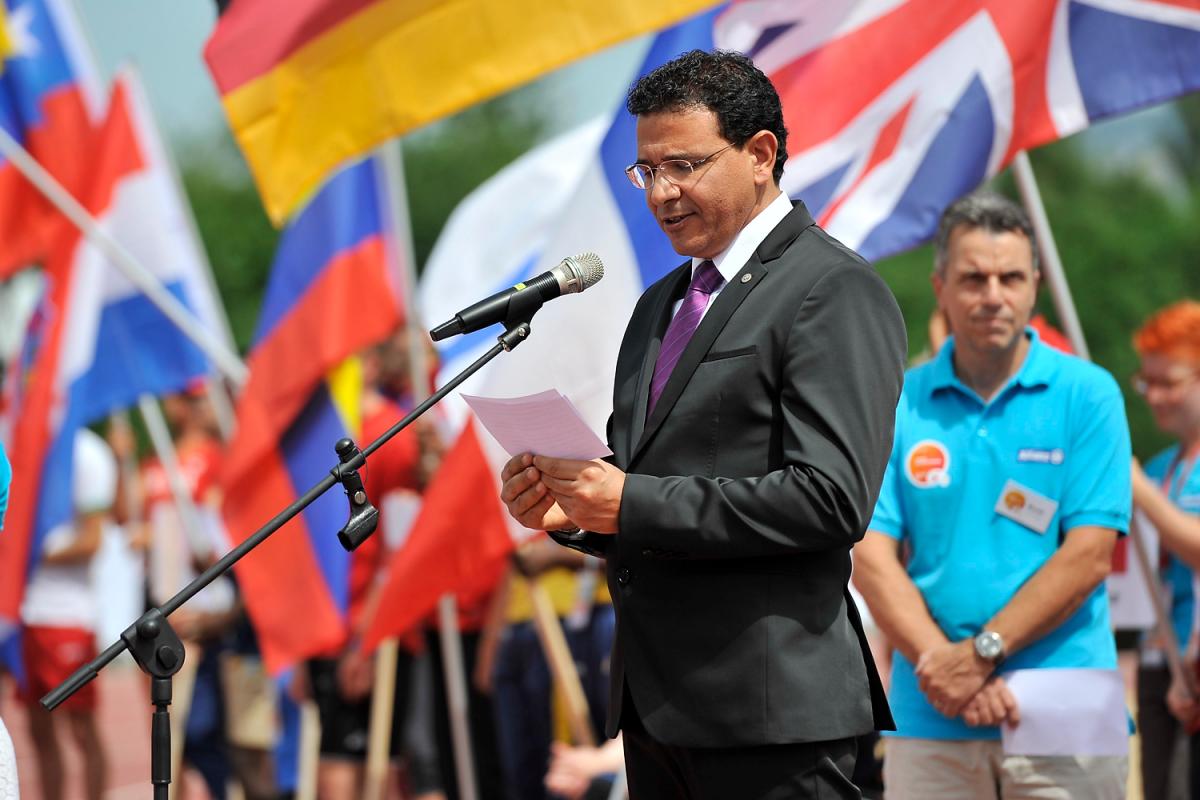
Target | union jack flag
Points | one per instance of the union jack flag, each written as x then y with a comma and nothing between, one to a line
895,109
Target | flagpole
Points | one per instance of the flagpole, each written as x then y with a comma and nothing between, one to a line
221,356
562,664
453,669
1064,304
1052,267
168,456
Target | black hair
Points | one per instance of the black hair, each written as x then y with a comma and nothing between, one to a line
724,82
983,209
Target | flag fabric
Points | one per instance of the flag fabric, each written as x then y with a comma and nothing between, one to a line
93,344
461,536
167,241
307,84
50,99
894,110
333,290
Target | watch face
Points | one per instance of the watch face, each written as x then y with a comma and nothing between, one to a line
988,645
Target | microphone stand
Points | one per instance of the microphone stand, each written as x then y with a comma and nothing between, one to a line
156,647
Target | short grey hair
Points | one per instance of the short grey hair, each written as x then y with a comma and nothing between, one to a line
990,211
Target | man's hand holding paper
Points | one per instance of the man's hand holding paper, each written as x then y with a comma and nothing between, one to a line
547,493
527,498
589,492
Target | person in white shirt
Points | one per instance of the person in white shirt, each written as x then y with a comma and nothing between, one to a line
58,617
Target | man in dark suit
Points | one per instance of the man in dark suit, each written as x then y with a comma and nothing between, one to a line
755,395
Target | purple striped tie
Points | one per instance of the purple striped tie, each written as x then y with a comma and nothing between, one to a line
706,281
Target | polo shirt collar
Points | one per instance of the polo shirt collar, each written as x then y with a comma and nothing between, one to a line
1036,371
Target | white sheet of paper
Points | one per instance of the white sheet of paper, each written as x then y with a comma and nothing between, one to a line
1068,712
545,424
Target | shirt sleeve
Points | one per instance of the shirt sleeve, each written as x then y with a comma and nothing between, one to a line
888,517
1098,489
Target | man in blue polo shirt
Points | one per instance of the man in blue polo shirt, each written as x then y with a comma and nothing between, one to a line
1005,493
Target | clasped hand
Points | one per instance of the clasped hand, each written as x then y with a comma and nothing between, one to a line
957,682
545,493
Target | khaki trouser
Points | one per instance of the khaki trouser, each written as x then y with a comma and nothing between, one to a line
928,769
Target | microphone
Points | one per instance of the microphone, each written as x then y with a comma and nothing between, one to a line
573,274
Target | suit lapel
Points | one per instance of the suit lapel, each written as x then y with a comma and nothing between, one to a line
673,288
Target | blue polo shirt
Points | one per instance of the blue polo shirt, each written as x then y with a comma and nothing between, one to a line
1183,488
1056,429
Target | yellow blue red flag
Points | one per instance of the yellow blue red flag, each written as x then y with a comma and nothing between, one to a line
307,84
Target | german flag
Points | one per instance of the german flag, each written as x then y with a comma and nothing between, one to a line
307,84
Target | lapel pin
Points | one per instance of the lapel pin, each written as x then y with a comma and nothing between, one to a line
747,277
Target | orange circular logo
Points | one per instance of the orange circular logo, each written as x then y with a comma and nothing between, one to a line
1014,500
927,464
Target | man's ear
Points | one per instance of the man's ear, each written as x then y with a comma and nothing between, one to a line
763,147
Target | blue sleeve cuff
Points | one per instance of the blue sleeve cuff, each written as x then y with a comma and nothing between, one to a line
1118,522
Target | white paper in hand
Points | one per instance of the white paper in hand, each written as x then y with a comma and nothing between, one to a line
1068,712
545,424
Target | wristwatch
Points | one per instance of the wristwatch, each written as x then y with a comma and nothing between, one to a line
590,544
990,647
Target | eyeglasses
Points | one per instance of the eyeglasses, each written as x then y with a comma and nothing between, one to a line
1142,384
676,170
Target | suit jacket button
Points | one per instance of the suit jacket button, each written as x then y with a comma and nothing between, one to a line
623,575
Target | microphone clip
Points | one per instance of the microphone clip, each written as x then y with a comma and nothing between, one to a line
521,309
364,517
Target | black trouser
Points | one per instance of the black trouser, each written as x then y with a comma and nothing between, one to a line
805,771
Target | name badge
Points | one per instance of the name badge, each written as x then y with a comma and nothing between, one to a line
1025,507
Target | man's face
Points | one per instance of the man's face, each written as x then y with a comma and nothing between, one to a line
1171,387
702,214
987,289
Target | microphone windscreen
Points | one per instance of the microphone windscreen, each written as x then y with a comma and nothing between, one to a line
589,267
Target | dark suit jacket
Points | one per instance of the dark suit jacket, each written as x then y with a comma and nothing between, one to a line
744,492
